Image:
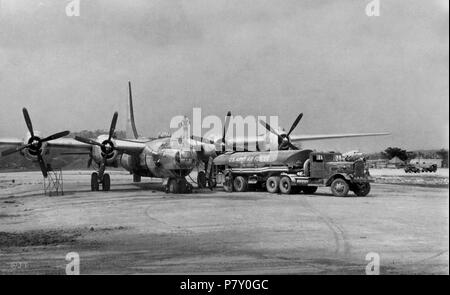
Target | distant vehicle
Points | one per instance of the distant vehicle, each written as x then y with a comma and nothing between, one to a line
413,168
431,168
291,171
410,168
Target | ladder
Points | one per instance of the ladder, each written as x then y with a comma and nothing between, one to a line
53,183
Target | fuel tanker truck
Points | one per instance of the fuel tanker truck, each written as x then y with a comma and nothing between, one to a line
291,171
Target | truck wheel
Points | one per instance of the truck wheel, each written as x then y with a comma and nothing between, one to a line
340,187
94,182
273,184
362,189
285,185
240,184
309,190
228,183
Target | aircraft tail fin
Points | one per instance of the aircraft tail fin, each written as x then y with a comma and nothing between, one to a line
131,131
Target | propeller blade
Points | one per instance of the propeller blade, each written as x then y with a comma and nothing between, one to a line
56,136
14,150
269,128
89,162
295,123
113,125
88,141
292,146
42,165
225,129
28,121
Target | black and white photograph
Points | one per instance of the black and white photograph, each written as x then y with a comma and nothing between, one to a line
224,138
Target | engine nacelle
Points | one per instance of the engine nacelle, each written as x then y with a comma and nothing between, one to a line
98,155
33,152
127,162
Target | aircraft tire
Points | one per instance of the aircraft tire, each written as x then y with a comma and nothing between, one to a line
106,183
174,186
136,178
273,184
94,182
201,179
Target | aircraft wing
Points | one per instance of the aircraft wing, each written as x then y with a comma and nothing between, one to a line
124,146
129,146
68,143
295,138
10,142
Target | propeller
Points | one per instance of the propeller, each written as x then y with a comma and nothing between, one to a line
284,141
107,146
34,144
222,140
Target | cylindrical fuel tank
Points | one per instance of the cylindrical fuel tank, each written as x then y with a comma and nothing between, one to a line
291,158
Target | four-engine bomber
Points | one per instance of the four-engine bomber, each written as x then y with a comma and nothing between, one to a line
291,171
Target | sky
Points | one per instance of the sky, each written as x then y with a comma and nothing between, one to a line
347,72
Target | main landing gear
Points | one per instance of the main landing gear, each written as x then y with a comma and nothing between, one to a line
102,178
178,186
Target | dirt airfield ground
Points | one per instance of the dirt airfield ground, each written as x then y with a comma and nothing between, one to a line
139,229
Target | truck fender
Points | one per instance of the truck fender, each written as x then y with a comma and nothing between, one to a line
338,175
292,178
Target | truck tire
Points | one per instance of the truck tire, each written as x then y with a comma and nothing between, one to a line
240,184
340,187
361,189
273,184
309,190
285,185
228,183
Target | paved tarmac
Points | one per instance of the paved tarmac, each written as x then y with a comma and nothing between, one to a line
139,229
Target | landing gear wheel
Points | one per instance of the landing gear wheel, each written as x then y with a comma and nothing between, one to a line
240,184
201,179
362,189
273,184
94,182
309,190
340,187
106,183
136,178
285,185
212,184
173,186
